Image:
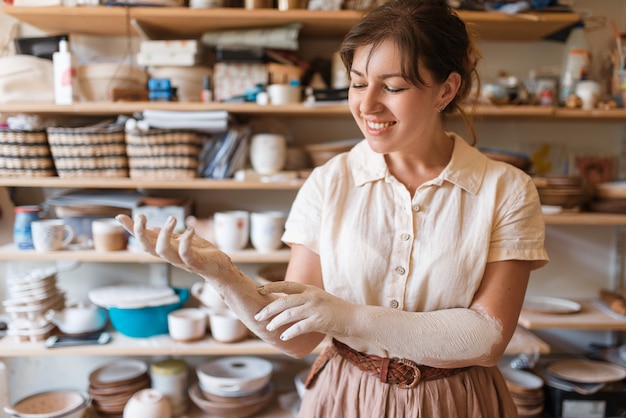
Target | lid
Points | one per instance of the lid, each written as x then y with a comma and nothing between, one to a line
168,367
27,209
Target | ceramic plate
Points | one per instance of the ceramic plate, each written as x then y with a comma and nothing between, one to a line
550,305
118,372
587,371
522,379
614,190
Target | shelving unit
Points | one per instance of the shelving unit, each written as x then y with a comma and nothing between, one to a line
182,22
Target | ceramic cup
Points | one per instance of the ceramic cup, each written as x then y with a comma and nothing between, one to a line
108,235
281,94
290,4
186,324
226,327
266,229
232,229
268,153
51,234
589,93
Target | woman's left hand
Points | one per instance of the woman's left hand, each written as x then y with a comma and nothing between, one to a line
305,309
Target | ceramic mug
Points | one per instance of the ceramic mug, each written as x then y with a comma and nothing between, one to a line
226,327
589,93
51,234
266,230
231,229
268,153
281,94
208,296
108,235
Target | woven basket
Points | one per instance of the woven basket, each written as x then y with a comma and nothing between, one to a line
95,151
25,154
163,154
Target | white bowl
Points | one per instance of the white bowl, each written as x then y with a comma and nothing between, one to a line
233,376
187,324
148,403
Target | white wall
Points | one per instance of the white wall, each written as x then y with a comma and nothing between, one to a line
582,258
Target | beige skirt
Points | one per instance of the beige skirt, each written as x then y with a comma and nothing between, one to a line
341,390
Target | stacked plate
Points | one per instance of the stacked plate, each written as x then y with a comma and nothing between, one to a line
564,191
29,298
112,385
527,391
609,197
582,376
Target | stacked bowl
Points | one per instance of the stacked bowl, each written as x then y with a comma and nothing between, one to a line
526,389
567,192
234,387
112,385
30,297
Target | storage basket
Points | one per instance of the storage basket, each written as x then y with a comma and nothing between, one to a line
163,154
93,151
25,154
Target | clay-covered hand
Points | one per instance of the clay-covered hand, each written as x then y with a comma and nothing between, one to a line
306,309
186,251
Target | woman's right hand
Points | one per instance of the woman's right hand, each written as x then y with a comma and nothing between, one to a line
186,251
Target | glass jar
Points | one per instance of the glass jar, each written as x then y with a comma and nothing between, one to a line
22,235
169,377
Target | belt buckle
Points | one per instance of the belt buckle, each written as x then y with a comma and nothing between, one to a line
417,374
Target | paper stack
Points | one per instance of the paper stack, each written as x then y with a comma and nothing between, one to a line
183,53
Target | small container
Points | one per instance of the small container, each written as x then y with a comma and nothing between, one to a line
207,93
22,235
170,377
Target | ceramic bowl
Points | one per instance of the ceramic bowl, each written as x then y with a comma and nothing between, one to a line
148,403
242,409
187,324
234,376
65,403
147,321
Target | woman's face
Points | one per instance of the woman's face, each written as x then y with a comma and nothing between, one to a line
393,114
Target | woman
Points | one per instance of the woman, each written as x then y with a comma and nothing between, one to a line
412,251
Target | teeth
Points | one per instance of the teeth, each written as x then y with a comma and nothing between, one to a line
379,125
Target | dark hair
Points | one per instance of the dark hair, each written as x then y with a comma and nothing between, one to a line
426,31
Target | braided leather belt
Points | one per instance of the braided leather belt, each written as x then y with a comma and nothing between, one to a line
402,372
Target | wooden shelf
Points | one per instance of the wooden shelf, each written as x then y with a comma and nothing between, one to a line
10,252
128,183
185,23
586,218
122,345
329,110
590,318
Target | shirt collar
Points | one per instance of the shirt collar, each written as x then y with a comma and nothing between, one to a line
466,168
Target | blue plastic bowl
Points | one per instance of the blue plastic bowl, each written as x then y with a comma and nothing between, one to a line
145,322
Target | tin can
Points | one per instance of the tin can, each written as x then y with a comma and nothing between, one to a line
169,377
22,235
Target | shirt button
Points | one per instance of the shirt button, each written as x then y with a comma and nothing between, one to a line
394,304
405,237
416,208
400,270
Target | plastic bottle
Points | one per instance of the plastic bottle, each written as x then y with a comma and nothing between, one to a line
576,61
64,73
207,93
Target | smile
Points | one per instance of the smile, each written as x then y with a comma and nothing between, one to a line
379,125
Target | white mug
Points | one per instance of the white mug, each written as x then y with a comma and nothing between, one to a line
208,296
268,153
108,235
266,230
589,93
226,327
232,229
51,234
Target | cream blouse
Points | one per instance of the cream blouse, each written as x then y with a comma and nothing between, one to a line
379,246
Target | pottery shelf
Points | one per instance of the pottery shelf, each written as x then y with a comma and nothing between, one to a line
10,252
122,345
302,110
590,318
186,23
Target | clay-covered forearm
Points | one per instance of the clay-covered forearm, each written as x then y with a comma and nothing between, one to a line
446,338
241,295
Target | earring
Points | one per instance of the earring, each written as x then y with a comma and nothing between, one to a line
442,108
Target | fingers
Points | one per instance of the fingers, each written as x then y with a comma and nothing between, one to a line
165,247
126,223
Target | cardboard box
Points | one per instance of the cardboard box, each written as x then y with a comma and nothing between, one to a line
157,215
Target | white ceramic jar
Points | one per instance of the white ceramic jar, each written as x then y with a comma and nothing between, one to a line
268,153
